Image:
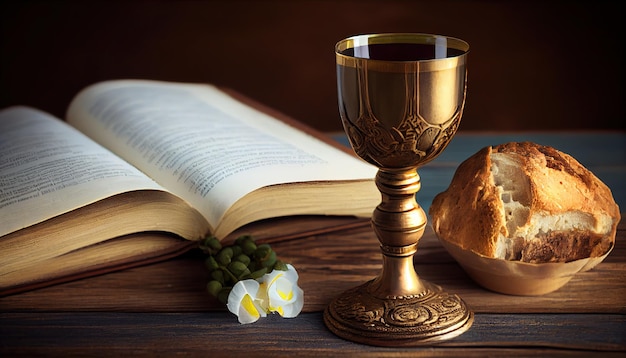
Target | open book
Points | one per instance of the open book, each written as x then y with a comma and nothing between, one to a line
136,159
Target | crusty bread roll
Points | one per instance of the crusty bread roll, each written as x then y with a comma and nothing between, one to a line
526,202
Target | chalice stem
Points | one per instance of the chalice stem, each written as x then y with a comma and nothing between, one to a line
399,223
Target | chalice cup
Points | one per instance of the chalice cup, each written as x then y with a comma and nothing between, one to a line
401,97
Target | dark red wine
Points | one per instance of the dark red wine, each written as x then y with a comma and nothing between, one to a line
399,99
399,52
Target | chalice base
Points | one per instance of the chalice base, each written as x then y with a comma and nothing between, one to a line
421,319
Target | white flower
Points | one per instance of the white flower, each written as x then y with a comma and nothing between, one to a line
243,301
276,291
282,293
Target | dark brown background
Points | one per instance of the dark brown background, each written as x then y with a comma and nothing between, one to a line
533,65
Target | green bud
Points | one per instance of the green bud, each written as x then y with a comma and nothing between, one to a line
248,247
211,264
225,255
252,266
228,250
229,277
236,250
211,245
262,251
238,269
281,266
218,275
214,243
245,259
270,260
214,287
222,296
258,273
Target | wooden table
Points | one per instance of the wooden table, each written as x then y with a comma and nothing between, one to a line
162,309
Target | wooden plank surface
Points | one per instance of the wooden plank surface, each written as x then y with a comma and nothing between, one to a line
328,265
163,309
165,334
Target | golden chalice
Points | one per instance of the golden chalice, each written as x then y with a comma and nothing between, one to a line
401,97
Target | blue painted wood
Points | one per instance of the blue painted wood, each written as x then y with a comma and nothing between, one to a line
603,153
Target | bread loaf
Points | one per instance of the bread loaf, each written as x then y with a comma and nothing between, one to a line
526,202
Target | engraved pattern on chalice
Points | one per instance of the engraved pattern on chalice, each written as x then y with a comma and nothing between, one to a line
399,110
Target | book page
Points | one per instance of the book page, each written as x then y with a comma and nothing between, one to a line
202,144
48,168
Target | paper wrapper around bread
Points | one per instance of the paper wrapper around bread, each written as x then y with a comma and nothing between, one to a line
519,278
